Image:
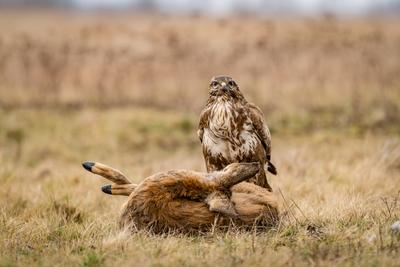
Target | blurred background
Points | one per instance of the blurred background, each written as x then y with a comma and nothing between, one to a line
294,56
311,65
359,7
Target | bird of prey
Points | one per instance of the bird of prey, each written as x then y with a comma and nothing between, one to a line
233,130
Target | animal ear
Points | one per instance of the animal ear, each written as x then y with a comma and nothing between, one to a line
119,189
236,173
107,172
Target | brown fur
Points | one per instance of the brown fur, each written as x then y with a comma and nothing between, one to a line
189,201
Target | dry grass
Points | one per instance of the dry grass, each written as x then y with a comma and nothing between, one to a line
341,194
330,90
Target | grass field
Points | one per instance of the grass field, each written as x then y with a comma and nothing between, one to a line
126,91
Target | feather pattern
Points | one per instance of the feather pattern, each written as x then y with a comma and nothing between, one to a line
233,130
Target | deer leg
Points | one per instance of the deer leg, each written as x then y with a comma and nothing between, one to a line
220,202
121,184
235,173
107,172
119,189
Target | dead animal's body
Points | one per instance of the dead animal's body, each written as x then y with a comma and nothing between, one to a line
189,201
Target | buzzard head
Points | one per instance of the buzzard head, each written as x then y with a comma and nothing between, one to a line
225,87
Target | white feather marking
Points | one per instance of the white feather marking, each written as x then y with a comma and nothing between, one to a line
248,144
216,146
222,130
222,115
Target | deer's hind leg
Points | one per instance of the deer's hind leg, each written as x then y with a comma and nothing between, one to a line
220,202
121,184
118,189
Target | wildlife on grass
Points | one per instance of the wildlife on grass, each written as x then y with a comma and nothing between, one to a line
189,201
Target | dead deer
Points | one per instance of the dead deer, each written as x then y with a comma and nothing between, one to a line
189,201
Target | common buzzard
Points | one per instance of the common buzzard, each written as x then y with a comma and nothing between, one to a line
233,130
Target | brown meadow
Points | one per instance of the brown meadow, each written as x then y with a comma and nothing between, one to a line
126,89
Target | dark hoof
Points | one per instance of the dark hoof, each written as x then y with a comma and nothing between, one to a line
106,189
88,165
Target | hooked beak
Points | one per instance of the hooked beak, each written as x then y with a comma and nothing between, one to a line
225,89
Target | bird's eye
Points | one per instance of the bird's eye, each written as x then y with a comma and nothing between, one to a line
231,84
214,84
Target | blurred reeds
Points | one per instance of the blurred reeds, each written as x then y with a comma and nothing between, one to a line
313,72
